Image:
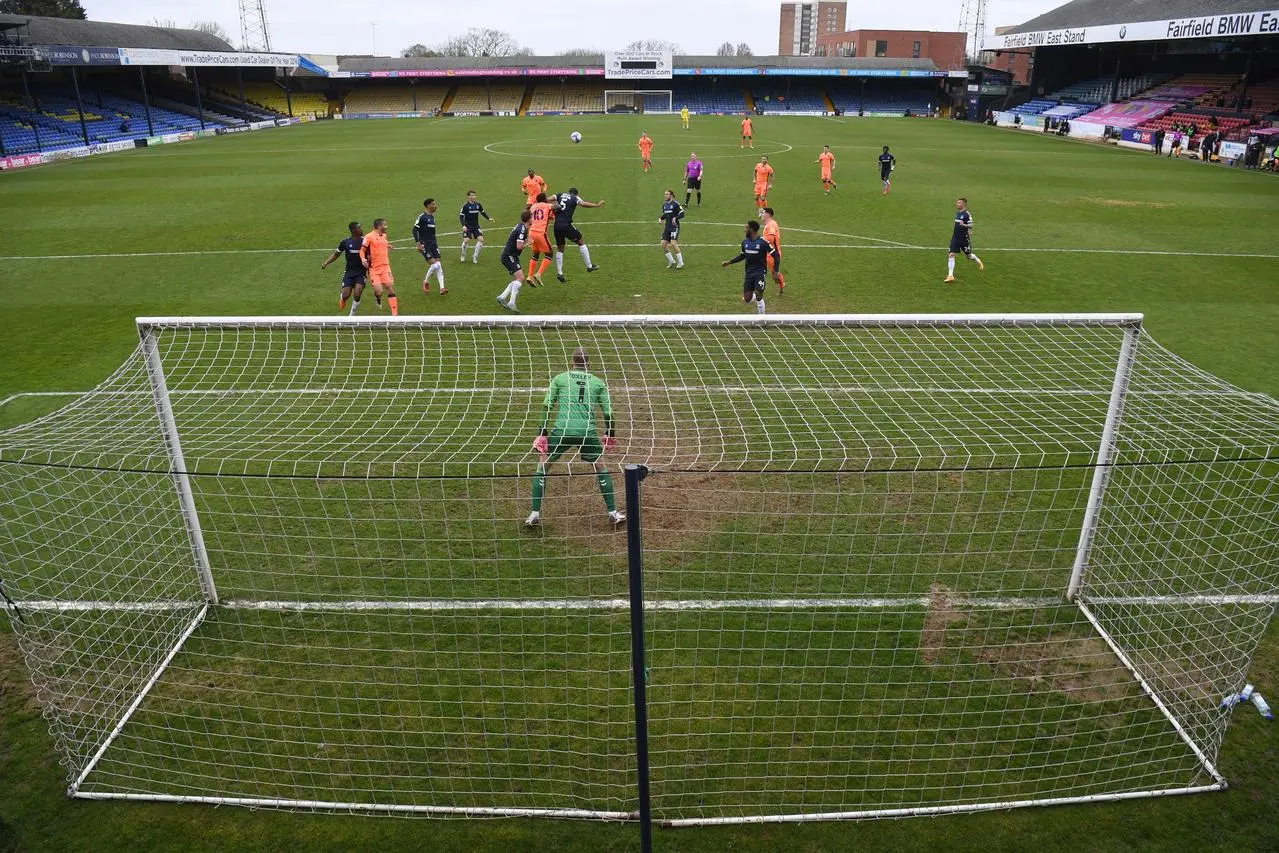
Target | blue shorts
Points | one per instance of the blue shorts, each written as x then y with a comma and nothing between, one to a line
512,263
353,279
431,254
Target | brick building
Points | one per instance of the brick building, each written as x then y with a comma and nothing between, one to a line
802,24
944,49
1020,63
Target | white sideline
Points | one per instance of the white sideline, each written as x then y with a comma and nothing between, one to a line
878,247
623,604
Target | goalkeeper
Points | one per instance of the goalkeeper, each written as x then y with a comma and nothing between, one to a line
573,396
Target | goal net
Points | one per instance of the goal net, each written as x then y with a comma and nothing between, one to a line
657,101
893,565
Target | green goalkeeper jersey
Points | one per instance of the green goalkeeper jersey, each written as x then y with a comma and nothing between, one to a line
578,393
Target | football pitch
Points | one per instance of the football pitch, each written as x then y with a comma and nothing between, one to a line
239,226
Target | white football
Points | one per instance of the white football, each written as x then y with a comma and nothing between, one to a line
575,136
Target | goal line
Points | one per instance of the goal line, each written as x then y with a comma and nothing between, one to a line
598,605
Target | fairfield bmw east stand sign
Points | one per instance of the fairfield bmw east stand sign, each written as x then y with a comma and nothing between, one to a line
1242,24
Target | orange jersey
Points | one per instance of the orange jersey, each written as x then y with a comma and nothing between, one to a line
532,186
773,234
827,159
376,249
645,145
747,127
763,174
543,212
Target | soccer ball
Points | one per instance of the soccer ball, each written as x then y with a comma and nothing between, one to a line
575,136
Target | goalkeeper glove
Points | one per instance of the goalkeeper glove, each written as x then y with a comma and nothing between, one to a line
541,444
609,442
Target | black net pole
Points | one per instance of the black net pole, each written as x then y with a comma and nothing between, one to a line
146,100
639,675
199,99
79,105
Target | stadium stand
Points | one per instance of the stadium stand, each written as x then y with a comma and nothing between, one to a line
476,97
394,98
268,96
1203,122
780,98
108,118
883,97
574,97
708,96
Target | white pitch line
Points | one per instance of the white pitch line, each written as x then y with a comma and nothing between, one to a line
677,605
655,244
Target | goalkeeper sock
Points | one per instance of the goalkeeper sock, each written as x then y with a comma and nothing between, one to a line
950,266
559,263
586,255
759,305
355,307
394,302
606,489
539,488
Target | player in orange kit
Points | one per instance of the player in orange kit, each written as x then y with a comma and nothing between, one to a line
375,253
763,183
773,235
646,151
543,215
531,186
748,133
827,159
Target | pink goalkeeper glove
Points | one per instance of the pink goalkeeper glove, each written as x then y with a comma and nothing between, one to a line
609,442
541,444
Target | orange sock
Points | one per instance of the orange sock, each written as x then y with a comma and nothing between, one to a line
341,303
395,305
546,262
532,267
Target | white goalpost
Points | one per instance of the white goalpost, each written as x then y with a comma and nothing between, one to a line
654,101
891,565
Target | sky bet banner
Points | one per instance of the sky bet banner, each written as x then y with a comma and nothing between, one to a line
1210,26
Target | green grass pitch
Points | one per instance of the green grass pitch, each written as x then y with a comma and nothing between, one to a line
239,225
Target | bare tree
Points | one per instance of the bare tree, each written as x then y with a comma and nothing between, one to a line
212,28
417,50
656,44
744,49
581,51
725,49
166,23
483,42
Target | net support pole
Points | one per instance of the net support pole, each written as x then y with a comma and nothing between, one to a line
181,480
635,474
1105,456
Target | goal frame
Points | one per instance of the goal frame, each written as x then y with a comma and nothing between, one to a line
1130,323
669,93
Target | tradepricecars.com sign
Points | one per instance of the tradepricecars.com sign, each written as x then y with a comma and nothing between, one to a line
1206,26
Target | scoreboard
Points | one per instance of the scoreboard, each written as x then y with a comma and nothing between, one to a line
638,65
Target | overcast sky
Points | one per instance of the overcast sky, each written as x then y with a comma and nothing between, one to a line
698,26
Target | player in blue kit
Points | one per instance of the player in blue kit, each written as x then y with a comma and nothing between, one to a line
672,213
887,165
469,216
755,252
566,204
515,243
356,275
961,241
428,245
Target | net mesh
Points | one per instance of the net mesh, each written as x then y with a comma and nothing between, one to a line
858,534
